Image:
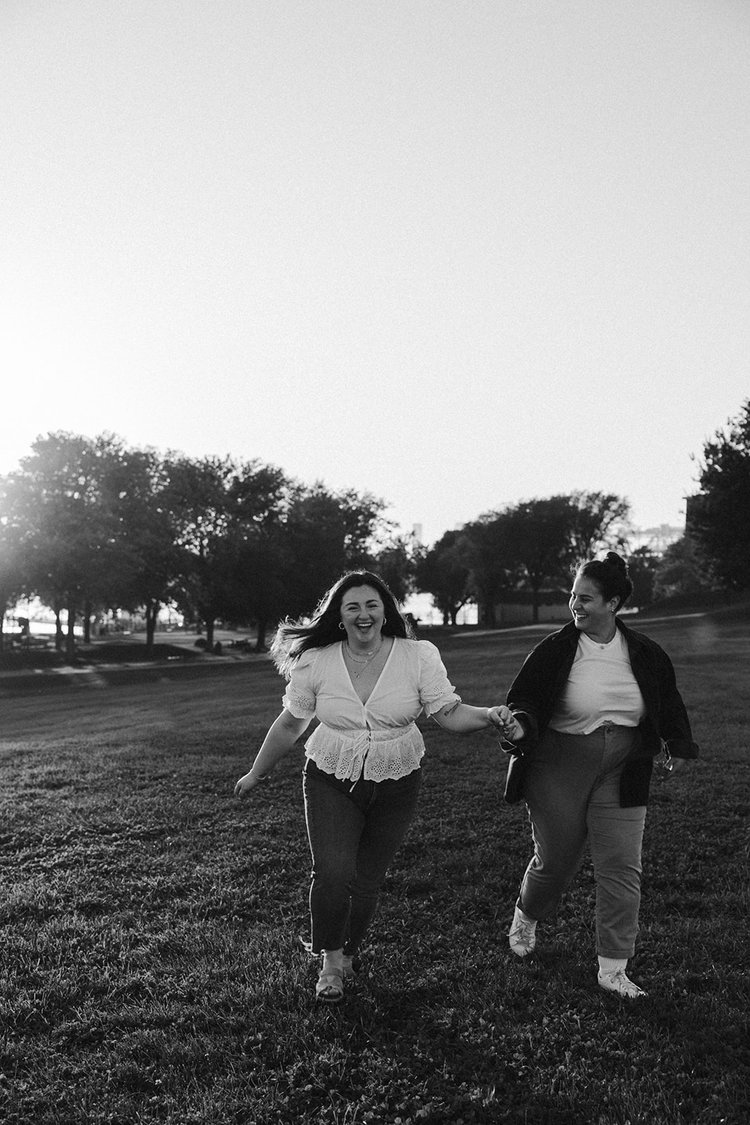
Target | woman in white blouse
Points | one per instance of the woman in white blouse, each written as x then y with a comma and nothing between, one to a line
356,668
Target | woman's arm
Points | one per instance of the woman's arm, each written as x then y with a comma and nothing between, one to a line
282,735
462,718
674,726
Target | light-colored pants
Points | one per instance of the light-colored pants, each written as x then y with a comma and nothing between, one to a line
572,790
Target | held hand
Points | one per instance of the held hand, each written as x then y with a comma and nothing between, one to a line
503,719
246,783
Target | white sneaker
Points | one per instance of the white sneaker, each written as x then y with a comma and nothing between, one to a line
522,935
621,984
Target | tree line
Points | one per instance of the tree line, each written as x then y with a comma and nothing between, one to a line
92,526
528,550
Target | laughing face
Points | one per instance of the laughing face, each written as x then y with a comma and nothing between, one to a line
362,614
591,613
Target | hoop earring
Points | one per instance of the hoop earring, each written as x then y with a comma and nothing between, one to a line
342,627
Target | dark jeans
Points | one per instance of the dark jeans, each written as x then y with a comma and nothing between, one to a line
354,834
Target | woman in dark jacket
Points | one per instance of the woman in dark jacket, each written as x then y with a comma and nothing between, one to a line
595,704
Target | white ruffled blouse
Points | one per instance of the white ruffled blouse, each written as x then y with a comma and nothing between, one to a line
379,739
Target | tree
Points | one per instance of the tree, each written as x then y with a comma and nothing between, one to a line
324,534
280,567
598,521
71,531
538,543
395,561
643,565
135,486
489,551
679,573
215,504
257,567
719,515
552,536
444,572
541,533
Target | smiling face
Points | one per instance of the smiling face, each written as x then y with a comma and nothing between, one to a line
363,614
591,613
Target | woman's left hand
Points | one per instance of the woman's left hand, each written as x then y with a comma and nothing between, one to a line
673,765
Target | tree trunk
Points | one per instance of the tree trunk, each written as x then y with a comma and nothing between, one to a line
260,640
59,635
87,623
152,610
210,635
70,639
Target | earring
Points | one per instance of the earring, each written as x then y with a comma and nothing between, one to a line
341,626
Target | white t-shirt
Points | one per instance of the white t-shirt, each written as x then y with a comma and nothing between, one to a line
377,740
601,688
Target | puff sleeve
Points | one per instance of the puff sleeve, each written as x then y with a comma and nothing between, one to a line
300,695
435,689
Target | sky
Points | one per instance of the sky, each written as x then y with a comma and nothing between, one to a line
453,253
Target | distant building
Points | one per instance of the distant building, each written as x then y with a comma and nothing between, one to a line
657,539
693,509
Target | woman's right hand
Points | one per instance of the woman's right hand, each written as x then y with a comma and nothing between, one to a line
282,734
247,782
503,719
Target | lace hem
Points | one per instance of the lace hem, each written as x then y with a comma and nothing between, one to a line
375,755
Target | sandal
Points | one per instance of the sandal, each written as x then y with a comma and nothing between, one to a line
350,963
330,986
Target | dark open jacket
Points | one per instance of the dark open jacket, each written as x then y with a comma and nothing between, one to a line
535,690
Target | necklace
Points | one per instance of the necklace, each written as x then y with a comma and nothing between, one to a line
363,663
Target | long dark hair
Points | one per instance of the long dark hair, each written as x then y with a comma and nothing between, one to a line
611,577
295,637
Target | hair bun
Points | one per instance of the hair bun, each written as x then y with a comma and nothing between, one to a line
616,560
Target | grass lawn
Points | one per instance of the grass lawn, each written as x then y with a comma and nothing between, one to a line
151,969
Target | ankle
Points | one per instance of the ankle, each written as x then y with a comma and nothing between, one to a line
612,964
528,921
333,959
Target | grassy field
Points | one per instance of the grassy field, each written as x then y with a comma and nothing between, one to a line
151,969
